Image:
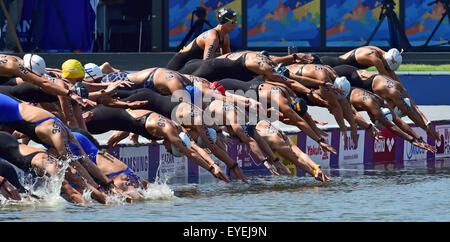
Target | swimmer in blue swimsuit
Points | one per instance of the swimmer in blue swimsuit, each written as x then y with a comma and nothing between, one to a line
16,115
38,162
108,164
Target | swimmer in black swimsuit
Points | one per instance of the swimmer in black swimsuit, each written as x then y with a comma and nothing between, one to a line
124,178
10,186
390,90
205,45
367,56
152,126
383,115
239,125
280,143
39,163
189,116
293,110
245,66
324,80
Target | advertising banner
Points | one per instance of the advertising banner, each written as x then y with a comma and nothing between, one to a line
411,152
352,154
137,158
384,149
172,168
443,147
316,153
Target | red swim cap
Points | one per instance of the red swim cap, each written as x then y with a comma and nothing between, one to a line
217,87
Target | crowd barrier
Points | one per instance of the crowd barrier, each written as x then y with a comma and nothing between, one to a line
154,162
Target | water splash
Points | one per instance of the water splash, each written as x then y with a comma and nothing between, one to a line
158,191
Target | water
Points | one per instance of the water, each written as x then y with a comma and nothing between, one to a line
417,194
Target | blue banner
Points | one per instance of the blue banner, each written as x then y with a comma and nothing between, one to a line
283,23
55,25
421,19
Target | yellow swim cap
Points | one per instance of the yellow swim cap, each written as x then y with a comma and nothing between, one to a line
72,69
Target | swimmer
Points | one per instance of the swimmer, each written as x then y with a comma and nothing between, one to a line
390,90
206,44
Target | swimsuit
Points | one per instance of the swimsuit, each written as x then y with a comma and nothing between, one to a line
120,76
336,61
234,85
149,82
351,73
9,150
220,68
128,172
196,52
107,118
10,116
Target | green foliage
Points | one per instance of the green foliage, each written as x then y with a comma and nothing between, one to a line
418,67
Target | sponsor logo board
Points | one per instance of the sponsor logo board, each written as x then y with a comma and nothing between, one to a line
172,167
316,153
411,152
443,147
136,158
352,154
384,149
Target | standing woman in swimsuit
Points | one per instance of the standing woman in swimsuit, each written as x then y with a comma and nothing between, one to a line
205,45
367,56
390,90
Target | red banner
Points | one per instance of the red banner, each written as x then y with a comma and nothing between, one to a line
384,149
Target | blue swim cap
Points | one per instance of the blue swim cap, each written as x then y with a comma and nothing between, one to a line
211,134
195,94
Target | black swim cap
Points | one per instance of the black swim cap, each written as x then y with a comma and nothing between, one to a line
264,52
225,13
316,59
80,89
282,70
299,106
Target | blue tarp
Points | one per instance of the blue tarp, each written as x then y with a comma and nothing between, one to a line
55,25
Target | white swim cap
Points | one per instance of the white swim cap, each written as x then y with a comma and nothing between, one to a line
399,112
186,142
343,84
92,72
387,114
393,58
212,134
34,63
